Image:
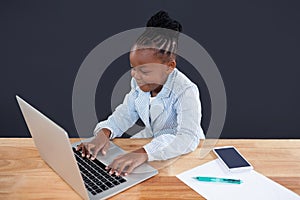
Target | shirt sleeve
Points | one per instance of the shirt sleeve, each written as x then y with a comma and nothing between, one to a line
189,131
122,118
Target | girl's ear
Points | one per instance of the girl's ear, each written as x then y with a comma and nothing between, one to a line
171,65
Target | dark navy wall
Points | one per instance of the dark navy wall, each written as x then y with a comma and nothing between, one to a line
255,44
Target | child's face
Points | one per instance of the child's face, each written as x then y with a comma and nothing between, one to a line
149,71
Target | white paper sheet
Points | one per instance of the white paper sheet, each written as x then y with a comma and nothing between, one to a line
254,186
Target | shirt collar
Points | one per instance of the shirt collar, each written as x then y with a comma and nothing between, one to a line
167,87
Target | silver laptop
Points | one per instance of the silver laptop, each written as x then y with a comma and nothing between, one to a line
88,178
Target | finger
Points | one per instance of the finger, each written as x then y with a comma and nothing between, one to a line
108,167
79,147
115,160
126,164
130,169
111,170
88,150
105,148
83,149
96,151
114,165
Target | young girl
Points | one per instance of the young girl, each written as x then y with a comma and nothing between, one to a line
161,96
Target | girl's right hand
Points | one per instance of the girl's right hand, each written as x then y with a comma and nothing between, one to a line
99,143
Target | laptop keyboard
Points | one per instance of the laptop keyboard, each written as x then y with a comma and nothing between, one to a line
95,176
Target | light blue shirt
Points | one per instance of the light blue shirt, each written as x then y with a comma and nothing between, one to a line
172,118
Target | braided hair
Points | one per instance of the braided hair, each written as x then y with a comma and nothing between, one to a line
161,35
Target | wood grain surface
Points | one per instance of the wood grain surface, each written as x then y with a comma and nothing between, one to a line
24,175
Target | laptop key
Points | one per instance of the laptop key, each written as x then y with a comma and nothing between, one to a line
95,187
80,167
91,184
95,180
80,161
111,179
109,184
99,183
97,175
93,165
93,192
88,174
87,181
122,180
88,167
115,182
98,190
97,168
104,187
93,171
89,188
84,177
106,176
77,157
102,179
119,178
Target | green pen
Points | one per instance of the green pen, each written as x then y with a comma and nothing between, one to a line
220,180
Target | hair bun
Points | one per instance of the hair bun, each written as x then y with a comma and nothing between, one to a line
162,20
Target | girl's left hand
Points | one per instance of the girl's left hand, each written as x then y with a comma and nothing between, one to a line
124,164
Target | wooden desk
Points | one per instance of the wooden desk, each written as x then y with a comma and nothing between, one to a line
24,175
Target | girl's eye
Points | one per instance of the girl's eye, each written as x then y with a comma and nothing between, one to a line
145,72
